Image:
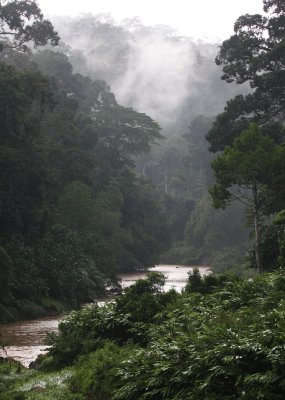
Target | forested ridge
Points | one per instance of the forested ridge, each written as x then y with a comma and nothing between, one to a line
92,188
73,211
184,97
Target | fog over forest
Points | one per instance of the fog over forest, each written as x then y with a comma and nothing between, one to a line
131,155
174,80
150,68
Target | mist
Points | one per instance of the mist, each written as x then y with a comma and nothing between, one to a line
151,69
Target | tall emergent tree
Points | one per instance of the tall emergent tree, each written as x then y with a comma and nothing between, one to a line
251,167
246,171
21,23
254,54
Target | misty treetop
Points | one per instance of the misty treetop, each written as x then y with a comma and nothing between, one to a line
150,68
250,133
72,210
137,62
254,54
22,23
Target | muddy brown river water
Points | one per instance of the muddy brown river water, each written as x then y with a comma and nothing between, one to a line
25,339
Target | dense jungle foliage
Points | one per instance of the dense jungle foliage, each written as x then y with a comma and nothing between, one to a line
183,97
73,212
222,338
80,198
87,193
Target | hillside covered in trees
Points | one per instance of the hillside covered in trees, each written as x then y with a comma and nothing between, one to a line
90,188
73,212
87,191
174,79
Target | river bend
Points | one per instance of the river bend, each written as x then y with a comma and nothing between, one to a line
25,339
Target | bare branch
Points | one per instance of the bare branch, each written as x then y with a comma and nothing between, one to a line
241,199
268,118
8,33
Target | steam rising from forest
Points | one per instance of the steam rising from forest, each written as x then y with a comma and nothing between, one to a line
152,69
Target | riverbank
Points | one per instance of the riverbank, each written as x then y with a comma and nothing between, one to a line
18,383
24,340
221,338
26,310
47,307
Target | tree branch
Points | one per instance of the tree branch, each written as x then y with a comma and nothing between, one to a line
262,122
8,33
240,199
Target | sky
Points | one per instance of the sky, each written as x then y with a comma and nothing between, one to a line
200,19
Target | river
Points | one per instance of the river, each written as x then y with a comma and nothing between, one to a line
25,339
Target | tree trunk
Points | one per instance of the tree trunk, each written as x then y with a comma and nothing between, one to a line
256,230
165,183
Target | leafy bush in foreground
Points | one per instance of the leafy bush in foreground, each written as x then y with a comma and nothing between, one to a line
96,376
127,319
222,338
224,345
